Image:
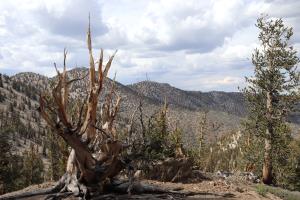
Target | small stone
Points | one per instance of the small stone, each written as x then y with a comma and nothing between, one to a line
238,189
138,174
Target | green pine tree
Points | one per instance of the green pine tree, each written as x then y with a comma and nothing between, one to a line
1,81
33,167
57,154
2,97
10,164
5,155
272,93
157,136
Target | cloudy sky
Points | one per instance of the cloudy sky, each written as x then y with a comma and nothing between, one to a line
191,44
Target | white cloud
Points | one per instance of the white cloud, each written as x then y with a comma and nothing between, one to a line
192,44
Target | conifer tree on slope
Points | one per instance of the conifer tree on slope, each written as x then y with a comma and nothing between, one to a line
1,81
273,91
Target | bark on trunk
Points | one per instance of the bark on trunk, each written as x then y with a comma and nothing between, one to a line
267,165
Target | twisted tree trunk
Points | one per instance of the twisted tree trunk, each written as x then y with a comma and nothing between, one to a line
96,152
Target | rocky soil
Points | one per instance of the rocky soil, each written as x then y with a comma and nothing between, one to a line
215,189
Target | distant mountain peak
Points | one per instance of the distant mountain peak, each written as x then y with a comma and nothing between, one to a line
29,74
232,103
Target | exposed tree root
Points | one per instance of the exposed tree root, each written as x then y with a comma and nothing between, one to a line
55,189
61,190
60,195
112,190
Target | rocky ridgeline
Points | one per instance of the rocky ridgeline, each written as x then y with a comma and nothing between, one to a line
185,107
229,102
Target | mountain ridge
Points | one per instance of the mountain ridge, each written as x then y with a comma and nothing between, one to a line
185,107
156,91
193,100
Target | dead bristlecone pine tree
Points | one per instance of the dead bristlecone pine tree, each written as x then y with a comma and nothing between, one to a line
95,158
95,155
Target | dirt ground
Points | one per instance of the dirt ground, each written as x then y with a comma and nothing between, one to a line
217,189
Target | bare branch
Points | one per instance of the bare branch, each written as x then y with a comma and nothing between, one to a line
107,67
92,63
